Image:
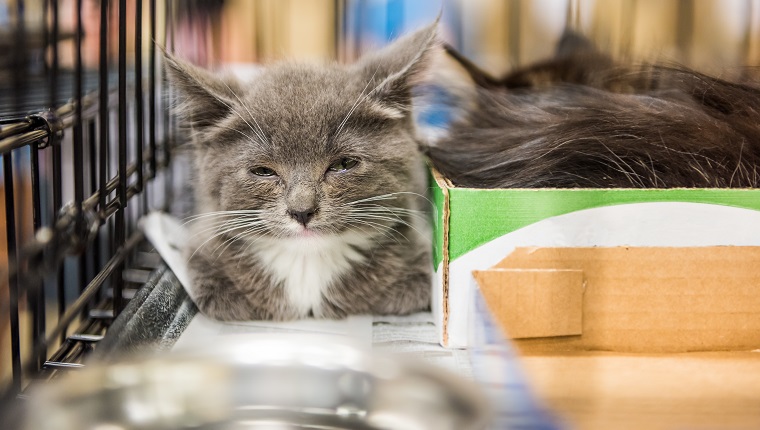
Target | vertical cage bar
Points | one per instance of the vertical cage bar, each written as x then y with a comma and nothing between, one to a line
19,52
120,222
54,34
117,280
56,152
78,131
103,121
94,249
36,292
122,189
19,66
78,143
103,110
139,111
10,228
44,20
152,94
169,41
51,7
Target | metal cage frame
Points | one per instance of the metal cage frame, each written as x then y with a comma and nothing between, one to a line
85,152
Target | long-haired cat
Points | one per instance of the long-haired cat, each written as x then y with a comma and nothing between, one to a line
310,187
582,119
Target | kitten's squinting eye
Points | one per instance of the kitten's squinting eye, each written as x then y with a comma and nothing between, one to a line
343,164
263,171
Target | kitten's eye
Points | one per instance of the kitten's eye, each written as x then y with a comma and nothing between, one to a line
343,164
263,171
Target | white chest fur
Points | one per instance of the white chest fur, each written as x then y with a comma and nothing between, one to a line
307,266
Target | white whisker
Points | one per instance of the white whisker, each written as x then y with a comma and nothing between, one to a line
380,228
250,138
389,196
358,101
239,236
394,220
226,224
261,132
222,213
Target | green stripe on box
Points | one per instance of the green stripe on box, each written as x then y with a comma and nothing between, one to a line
479,216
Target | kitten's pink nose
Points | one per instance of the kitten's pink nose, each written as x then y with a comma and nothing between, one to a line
303,217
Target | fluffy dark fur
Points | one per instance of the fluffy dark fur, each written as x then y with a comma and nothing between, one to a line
584,120
310,186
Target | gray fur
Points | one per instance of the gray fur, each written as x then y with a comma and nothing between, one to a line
584,120
297,119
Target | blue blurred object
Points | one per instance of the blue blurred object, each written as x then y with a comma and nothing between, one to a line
496,368
369,24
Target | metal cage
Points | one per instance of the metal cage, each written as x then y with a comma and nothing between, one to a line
86,140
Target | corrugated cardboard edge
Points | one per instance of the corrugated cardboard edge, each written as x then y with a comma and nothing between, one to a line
444,184
626,308
534,303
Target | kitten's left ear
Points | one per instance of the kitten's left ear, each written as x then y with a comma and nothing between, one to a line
395,69
206,98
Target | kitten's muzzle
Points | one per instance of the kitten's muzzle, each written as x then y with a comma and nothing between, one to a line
302,216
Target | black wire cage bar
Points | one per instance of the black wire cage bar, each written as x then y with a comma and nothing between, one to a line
86,142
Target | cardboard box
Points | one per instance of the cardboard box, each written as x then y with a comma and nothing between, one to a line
627,299
607,335
477,228
629,308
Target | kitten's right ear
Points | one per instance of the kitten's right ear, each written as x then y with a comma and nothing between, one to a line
204,99
395,69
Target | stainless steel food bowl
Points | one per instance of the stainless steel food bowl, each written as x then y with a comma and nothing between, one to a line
262,382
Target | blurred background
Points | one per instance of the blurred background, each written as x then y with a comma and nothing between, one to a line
50,47
497,34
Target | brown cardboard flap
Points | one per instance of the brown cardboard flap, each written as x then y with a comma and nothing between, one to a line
655,299
600,390
534,303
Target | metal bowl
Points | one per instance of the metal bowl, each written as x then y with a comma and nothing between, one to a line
263,382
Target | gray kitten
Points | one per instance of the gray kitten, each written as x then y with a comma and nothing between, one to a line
310,187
